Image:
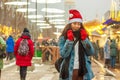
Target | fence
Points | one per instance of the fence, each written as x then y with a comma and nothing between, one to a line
53,52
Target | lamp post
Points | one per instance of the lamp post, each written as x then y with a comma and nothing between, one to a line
27,12
36,19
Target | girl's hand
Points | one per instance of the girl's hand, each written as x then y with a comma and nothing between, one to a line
70,35
83,34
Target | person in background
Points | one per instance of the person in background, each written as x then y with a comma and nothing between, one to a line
53,42
113,53
10,48
96,48
37,48
79,62
2,50
24,61
45,42
107,53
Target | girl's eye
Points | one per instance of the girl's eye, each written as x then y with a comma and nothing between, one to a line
76,23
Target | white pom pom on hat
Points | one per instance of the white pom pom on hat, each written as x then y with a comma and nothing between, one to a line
75,16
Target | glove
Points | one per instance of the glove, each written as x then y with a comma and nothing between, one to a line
70,35
83,34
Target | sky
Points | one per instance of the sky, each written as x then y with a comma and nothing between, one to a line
90,8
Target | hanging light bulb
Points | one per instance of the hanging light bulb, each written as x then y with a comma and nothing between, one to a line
16,3
52,10
25,10
48,1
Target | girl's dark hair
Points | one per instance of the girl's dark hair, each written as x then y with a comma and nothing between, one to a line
67,27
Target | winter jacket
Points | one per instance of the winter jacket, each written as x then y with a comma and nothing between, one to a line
2,41
10,44
2,44
65,47
24,60
3,48
96,48
113,48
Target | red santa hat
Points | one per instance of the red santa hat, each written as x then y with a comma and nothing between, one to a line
74,16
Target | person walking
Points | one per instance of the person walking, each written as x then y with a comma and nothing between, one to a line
24,53
113,53
10,48
74,45
2,51
107,53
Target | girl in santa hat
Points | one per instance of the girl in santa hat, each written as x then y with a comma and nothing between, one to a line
75,49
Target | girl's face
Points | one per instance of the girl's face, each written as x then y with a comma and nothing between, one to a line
75,26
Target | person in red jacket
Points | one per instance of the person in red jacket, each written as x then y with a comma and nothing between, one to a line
24,61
